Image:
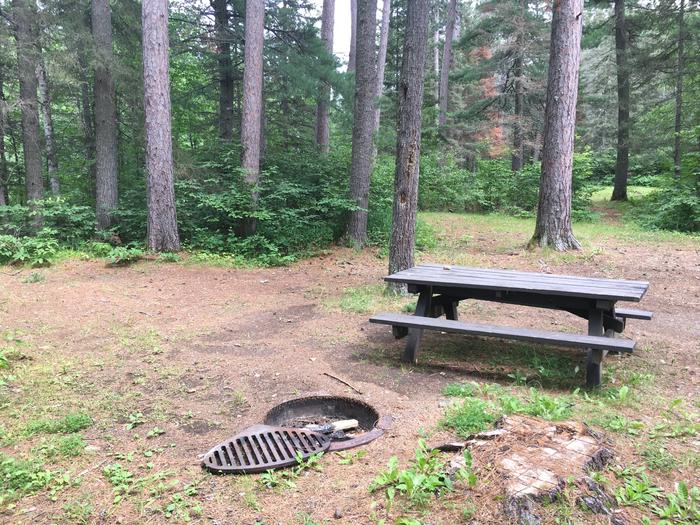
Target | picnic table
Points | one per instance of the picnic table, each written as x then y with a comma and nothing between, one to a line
440,288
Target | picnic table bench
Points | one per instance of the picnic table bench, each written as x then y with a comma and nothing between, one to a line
440,288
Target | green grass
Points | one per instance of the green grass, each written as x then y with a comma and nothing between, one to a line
20,477
370,299
68,424
473,415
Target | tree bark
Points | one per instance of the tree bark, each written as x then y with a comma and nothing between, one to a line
553,226
403,229
518,153
680,67
436,64
4,200
323,103
225,67
106,167
26,34
363,121
447,62
162,234
623,104
381,58
353,36
252,98
47,120
88,119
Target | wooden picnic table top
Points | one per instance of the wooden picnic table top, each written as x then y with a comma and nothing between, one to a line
439,275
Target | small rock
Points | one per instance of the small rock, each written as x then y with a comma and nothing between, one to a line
92,449
338,514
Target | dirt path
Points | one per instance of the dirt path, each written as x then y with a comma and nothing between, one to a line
200,352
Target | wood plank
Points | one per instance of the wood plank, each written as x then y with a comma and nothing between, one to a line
499,271
518,278
529,287
520,334
634,314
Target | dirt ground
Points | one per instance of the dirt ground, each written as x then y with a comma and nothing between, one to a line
203,351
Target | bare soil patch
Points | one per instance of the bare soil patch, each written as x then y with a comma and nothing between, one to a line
201,352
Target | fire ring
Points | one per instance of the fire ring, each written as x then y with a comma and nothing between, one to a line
322,409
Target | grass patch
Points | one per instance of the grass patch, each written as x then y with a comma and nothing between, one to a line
66,425
370,299
470,417
19,478
68,446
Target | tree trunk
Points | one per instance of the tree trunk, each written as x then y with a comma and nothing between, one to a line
352,56
623,104
45,103
518,153
251,119
323,103
680,67
4,200
403,229
88,119
381,58
447,62
363,120
106,167
225,66
553,226
160,191
24,14
436,64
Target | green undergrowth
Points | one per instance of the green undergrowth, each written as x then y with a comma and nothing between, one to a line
427,476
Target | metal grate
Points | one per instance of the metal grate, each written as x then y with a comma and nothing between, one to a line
261,447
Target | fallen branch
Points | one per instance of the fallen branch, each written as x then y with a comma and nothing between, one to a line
342,381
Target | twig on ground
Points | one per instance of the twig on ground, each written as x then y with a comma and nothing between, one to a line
342,381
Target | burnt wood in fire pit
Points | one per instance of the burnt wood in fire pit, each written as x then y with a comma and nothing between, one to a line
316,410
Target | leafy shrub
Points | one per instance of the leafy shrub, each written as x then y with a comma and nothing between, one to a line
495,187
302,207
71,223
19,477
425,477
123,256
34,251
676,206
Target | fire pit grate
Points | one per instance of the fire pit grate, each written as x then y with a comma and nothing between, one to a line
262,447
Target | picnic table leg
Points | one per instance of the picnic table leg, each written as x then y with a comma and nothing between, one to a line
594,365
410,354
451,310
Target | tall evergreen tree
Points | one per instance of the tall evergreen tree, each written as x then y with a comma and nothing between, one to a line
623,104
553,227
106,168
24,17
251,121
363,123
162,234
408,141
322,106
225,68
447,62
47,120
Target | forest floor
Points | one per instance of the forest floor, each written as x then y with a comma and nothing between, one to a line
114,380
